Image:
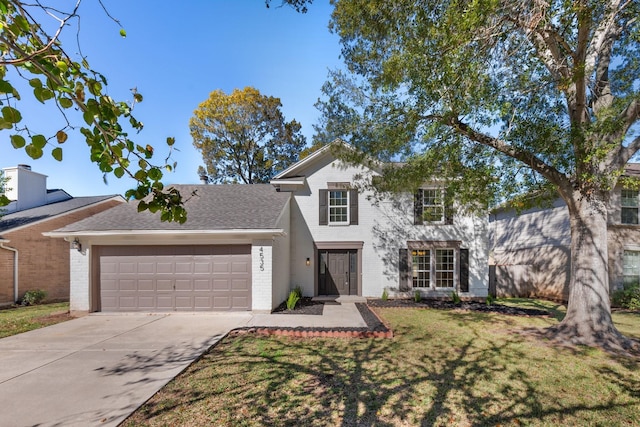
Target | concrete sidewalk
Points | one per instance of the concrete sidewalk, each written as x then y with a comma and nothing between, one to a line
341,315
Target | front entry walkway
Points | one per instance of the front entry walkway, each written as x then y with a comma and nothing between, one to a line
97,369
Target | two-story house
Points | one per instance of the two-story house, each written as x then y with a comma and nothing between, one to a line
244,247
530,251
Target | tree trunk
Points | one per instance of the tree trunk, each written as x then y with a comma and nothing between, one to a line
588,320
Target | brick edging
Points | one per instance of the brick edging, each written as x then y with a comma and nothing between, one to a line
376,328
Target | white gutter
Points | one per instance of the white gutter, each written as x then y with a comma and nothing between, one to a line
15,268
243,232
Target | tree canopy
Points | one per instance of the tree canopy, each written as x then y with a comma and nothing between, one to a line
505,98
35,56
243,136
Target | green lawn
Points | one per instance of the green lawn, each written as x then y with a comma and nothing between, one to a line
441,368
16,320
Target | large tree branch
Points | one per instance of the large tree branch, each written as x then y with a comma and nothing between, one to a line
598,54
623,154
526,157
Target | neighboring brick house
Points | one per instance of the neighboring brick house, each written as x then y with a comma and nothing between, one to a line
29,260
530,252
244,247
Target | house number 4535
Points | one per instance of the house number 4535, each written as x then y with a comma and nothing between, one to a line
261,258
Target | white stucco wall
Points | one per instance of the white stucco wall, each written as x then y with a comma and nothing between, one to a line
383,229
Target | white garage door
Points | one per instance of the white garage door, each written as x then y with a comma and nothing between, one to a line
174,278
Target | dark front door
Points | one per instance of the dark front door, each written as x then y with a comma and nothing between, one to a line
338,272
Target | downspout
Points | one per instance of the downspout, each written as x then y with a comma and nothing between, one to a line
15,268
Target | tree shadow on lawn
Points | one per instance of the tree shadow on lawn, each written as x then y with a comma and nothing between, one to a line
426,375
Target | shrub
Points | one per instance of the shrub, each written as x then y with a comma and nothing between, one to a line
417,296
298,291
455,297
292,300
629,297
33,297
490,300
385,294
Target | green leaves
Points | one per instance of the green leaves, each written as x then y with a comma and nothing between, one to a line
18,141
52,74
11,115
57,153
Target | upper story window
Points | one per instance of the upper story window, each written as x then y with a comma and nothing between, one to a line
629,207
338,207
430,206
338,204
433,204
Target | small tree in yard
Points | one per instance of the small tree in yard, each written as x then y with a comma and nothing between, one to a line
505,98
243,136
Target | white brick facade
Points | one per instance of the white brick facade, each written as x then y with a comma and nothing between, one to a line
79,280
262,275
383,228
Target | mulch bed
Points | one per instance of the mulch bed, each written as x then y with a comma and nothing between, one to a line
304,306
464,305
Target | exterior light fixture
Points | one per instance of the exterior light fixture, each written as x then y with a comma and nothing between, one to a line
76,245
308,262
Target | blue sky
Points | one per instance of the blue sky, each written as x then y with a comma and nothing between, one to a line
175,56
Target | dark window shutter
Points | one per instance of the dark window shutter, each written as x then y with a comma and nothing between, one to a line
403,268
417,208
464,270
448,207
353,207
323,213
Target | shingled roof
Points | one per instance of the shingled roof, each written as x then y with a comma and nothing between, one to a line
28,216
209,207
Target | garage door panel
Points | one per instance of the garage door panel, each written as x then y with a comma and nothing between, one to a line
221,266
127,268
164,267
240,285
127,285
184,267
221,285
240,267
164,302
201,267
167,278
147,302
201,285
184,285
221,303
146,285
146,268
184,302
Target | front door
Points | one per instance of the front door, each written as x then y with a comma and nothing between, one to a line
338,272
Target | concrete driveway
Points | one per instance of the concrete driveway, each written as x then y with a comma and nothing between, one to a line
97,369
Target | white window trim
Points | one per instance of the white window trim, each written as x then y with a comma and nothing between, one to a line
348,220
636,207
624,276
443,218
432,268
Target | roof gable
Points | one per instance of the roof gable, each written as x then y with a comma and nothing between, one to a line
326,155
